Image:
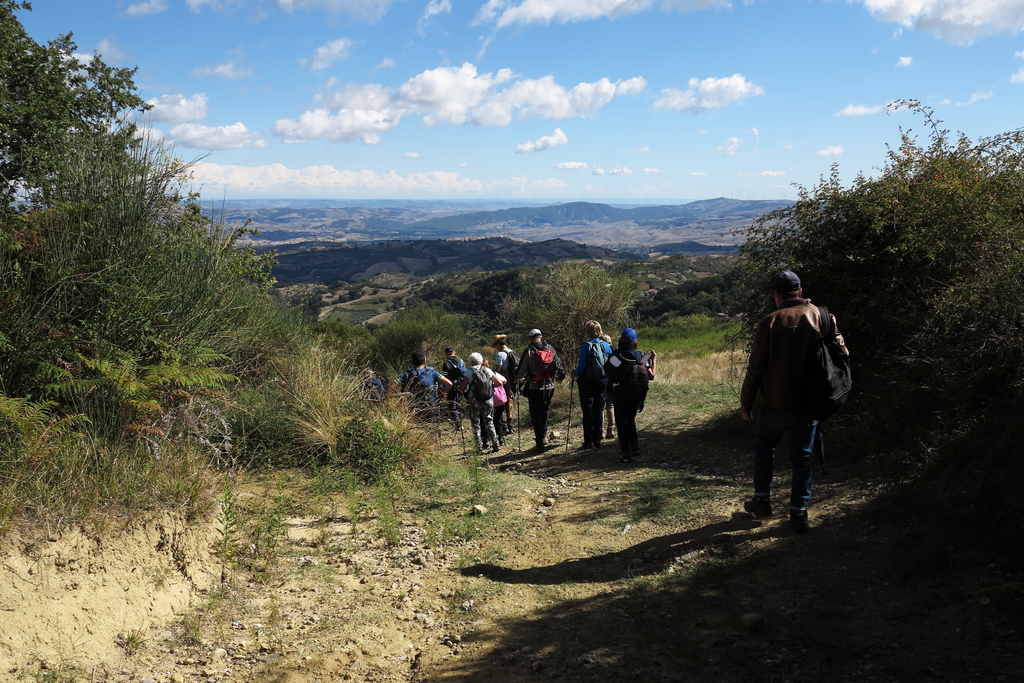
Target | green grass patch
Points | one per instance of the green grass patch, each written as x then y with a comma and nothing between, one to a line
664,497
692,336
445,491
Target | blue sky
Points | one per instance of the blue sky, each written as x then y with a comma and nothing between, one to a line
656,101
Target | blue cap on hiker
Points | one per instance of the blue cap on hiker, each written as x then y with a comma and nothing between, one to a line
534,333
629,333
785,282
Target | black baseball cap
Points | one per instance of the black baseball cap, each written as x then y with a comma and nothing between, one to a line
786,281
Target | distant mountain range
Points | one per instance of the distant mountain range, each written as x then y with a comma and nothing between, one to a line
637,228
349,263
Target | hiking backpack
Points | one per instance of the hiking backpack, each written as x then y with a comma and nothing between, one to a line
452,368
630,375
543,365
830,374
480,387
512,364
420,385
373,389
597,356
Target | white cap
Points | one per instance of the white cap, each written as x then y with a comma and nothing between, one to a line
534,333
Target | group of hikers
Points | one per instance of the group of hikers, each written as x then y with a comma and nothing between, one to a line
486,394
799,364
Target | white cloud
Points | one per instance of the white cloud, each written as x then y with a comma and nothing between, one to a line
178,108
904,61
566,11
347,125
110,53
956,21
573,165
260,144
327,181
597,171
411,155
195,136
976,97
140,9
386,63
651,170
620,171
831,151
1018,77
859,110
327,54
463,165
787,147
643,150
771,174
545,98
710,93
698,173
449,96
225,70
756,132
730,147
434,7
547,142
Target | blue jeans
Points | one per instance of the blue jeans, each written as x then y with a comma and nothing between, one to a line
771,425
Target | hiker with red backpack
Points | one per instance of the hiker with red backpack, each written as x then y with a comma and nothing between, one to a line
629,372
541,367
592,381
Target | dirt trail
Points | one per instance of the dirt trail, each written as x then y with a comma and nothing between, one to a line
599,575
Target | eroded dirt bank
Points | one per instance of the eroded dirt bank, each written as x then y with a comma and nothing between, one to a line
70,596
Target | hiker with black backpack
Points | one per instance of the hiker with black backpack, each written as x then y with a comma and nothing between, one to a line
478,384
541,367
592,382
629,373
452,368
782,366
420,383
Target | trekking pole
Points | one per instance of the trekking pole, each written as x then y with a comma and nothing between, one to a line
568,424
519,428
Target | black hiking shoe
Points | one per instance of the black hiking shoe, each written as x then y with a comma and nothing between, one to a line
762,507
798,520
587,446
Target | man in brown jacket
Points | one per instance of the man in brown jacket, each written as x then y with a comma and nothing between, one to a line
780,365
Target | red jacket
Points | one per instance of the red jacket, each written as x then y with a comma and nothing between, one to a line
782,355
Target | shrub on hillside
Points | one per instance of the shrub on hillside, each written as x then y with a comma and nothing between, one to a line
569,295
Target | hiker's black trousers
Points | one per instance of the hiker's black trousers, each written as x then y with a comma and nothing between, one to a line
540,406
627,403
592,397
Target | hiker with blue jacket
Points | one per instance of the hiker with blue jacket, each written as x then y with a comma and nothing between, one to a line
421,383
592,382
629,372
780,367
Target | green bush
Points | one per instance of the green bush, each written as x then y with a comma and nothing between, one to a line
569,296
